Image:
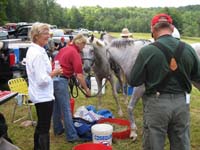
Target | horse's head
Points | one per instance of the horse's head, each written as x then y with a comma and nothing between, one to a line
97,43
88,57
93,52
88,52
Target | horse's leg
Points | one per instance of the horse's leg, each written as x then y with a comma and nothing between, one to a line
122,81
125,94
99,84
137,94
124,87
114,92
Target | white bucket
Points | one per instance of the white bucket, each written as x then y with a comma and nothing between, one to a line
94,86
102,133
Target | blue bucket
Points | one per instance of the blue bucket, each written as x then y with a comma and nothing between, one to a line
130,90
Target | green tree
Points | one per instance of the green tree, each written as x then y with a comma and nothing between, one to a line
186,19
3,17
76,19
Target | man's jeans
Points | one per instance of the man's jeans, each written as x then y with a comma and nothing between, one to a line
62,107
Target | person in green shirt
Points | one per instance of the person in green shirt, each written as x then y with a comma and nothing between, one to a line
167,82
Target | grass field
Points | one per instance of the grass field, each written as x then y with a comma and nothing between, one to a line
23,136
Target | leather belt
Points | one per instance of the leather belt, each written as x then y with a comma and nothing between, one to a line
61,76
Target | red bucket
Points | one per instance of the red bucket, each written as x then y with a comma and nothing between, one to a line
122,122
72,103
92,146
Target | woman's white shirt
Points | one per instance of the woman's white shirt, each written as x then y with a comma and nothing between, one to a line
38,67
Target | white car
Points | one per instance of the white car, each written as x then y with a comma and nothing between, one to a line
3,34
83,31
58,34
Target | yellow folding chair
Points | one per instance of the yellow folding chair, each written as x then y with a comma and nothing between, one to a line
20,86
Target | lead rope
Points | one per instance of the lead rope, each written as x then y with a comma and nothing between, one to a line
74,83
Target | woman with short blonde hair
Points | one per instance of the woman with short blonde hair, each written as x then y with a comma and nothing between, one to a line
37,29
40,74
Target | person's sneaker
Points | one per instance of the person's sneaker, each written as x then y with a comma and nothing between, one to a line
60,133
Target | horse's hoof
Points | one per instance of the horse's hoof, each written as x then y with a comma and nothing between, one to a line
133,135
134,138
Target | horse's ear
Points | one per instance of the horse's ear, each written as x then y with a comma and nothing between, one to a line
92,38
101,35
100,43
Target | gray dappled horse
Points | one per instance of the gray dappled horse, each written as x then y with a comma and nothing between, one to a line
124,53
95,56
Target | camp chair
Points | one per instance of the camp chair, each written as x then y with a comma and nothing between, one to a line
20,86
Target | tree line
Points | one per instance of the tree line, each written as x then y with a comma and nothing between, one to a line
186,19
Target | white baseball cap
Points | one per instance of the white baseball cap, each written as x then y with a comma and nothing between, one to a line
176,33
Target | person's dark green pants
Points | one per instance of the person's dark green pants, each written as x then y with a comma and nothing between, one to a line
166,115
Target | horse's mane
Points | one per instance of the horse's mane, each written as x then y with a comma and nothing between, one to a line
118,43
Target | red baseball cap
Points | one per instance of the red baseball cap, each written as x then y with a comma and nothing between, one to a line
161,18
62,38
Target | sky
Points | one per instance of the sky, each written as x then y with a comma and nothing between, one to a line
125,3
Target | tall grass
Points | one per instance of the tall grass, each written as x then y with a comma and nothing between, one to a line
23,136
